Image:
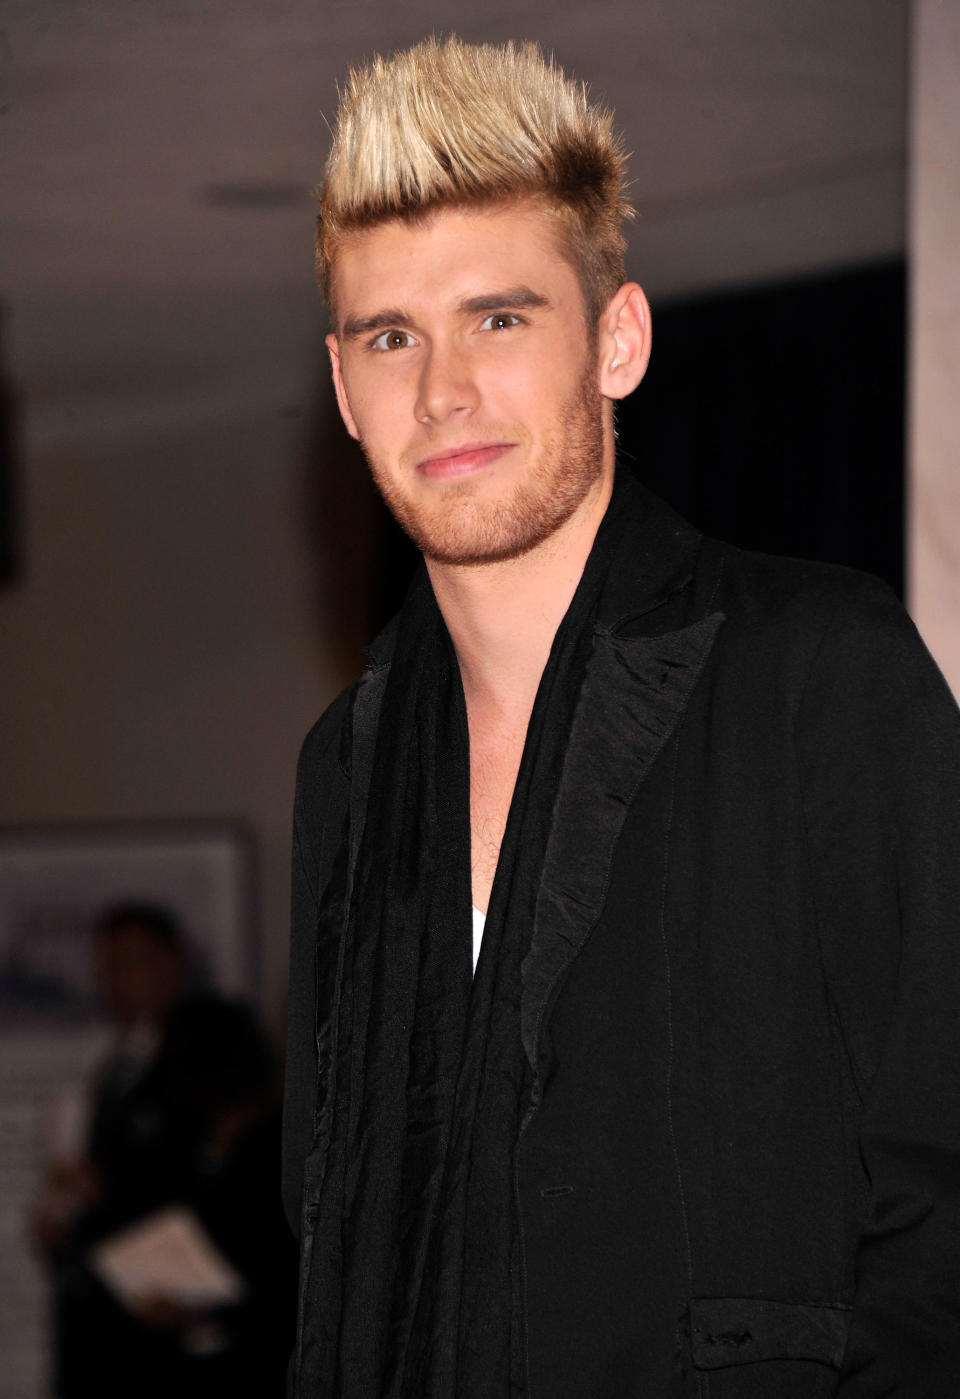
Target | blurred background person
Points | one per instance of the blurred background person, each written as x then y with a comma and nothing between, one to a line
122,1146
182,1111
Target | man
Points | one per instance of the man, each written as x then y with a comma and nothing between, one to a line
133,1153
691,1125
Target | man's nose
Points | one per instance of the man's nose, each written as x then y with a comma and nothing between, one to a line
446,386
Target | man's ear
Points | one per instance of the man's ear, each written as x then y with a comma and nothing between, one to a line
343,403
623,342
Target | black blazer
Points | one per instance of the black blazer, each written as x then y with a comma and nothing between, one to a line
741,1000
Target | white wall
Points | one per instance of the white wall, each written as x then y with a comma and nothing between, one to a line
933,543
162,654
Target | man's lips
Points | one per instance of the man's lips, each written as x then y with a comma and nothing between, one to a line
461,460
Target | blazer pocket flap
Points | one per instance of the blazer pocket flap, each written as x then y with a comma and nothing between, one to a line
738,1330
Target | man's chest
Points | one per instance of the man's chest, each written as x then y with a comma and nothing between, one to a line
494,762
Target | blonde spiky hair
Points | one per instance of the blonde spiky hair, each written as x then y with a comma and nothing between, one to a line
449,123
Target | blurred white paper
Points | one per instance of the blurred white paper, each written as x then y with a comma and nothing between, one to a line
168,1254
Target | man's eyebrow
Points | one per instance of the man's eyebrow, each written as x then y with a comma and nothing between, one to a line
388,319
514,299
392,317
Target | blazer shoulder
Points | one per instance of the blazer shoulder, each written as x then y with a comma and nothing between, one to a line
321,752
323,785
803,596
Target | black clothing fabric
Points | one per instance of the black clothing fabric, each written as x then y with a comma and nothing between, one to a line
736,1163
416,1277
235,1198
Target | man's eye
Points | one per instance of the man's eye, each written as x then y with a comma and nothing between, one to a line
393,340
500,320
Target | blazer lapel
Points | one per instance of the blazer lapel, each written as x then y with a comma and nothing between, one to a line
633,695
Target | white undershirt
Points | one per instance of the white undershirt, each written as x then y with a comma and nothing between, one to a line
478,921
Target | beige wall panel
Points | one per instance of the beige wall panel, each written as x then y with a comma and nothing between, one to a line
933,543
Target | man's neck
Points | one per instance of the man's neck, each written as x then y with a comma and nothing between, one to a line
502,617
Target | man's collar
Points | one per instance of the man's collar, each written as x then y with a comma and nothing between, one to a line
654,556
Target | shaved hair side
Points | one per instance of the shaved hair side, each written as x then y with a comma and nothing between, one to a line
447,123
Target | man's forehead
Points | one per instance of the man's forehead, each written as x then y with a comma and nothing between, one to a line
449,255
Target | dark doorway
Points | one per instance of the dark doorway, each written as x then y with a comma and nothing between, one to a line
774,418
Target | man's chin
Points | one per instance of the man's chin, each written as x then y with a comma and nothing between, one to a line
477,556
487,536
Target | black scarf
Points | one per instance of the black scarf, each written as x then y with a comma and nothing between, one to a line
415,1251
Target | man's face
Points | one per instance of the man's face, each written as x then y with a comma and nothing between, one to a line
140,976
464,367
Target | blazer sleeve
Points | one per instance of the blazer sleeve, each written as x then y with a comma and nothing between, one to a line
879,739
322,794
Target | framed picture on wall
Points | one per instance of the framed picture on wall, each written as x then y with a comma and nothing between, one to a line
58,882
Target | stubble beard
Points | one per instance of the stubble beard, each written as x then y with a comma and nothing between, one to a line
463,528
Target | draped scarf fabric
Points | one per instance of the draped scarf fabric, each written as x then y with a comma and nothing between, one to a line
416,1256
